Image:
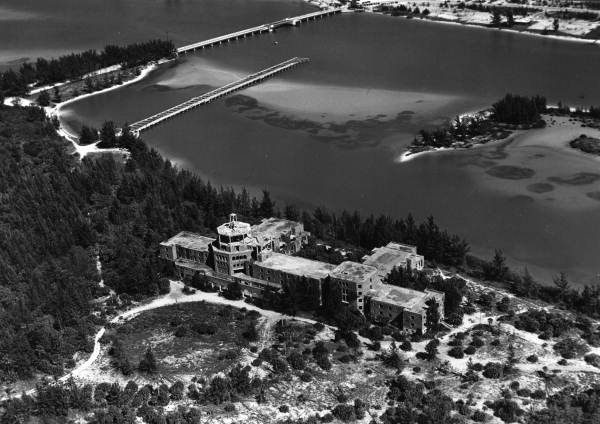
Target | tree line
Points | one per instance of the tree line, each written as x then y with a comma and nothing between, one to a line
560,291
57,213
76,65
512,109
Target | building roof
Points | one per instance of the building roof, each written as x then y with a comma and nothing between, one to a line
413,300
189,240
274,227
234,228
296,265
390,256
353,271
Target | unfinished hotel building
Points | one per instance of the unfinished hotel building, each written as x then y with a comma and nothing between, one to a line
260,258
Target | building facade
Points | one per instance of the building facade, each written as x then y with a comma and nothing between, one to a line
259,259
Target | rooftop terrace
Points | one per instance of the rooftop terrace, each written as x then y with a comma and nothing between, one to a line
413,300
353,271
189,240
296,265
388,257
274,227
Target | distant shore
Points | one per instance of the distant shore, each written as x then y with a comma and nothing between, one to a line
438,18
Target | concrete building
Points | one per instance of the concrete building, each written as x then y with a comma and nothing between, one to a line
353,280
304,274
405,307
186,245
394,255
234,247
258,258
280,235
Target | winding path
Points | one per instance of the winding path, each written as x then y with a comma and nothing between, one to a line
175,296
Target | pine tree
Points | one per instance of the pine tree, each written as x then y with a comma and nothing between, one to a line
496,18
148,362
43,99
432,316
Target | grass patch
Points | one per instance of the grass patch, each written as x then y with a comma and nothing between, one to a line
193,338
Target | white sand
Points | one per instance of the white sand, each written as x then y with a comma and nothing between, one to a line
325,103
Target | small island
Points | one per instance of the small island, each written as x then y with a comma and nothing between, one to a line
506,116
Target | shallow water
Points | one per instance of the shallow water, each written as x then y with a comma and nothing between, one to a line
318,136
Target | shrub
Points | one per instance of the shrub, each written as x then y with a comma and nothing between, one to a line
284,409
524,392
493,370
562,362
230,407
257,362
570,347
406,346
344,412
477,342
416,369
538,394
514,386
532,358
477,366
593,359
164,285
279,365
181,331
296,360
479,416
324,363
495,342
470,350
306,377
456,352
507,410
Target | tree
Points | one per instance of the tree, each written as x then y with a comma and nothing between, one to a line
56,95
432,316
43,99
88,135
233,291
497,269
561,282
148,362
267,206
555,24
510,19
291,212
431,349
496,18
108,137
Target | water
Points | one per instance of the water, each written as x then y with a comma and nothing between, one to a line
330,132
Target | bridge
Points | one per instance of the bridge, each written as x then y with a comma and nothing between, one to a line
205,98
249,32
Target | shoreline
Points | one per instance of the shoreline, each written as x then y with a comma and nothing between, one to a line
591,41
63,131
438,20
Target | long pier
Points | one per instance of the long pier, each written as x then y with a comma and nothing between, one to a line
205,98
249,32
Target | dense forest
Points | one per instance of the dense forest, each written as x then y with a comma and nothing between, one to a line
76,65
